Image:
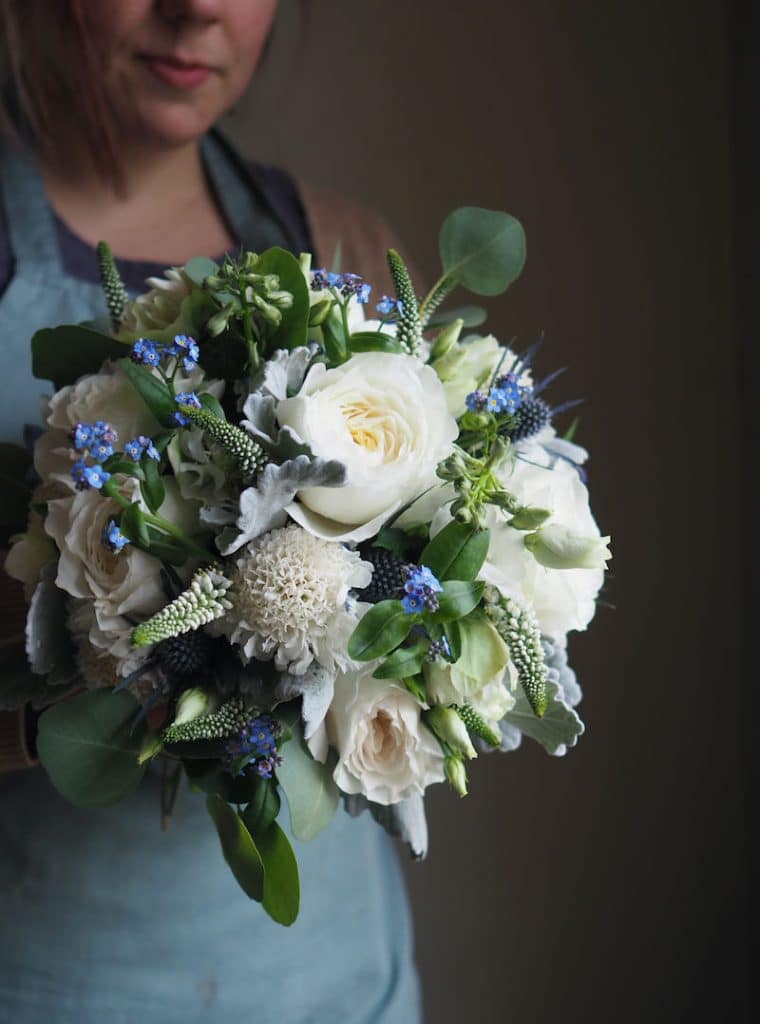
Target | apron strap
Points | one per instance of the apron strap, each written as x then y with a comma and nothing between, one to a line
28,216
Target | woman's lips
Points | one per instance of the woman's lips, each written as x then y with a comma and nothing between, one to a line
178,74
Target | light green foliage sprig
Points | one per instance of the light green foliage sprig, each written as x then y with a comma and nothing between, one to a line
519,629
113,286
248,453
476,482
206,599
229,719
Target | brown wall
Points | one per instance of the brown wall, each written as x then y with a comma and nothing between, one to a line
606,886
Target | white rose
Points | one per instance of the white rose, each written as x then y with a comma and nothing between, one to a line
118,584
563,599
163,311
384,750
384,417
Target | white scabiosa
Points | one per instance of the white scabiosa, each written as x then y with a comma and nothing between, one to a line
292,600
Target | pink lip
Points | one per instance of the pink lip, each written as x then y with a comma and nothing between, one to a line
177,73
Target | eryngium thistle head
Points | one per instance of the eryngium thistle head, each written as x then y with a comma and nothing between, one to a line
185,655
533,415
388,574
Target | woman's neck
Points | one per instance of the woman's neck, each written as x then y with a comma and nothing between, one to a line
164,210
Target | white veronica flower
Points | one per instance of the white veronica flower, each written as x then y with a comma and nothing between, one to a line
292,600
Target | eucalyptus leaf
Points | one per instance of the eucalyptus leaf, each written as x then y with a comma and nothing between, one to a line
153,391
380,630
457,552
88,748
263,807
64,354
459,598
483,250
291,332
282,890
472,316
199,268
238,847
308,786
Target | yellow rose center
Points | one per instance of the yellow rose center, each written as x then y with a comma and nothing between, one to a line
359,417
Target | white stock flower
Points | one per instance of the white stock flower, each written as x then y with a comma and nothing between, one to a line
291,600
562,599
384,750
384,417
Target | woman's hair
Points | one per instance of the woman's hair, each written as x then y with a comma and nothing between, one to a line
37,84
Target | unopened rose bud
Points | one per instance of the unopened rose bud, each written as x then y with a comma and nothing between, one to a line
527,518
446,340
192,704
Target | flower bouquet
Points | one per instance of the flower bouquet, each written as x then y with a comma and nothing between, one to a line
280,548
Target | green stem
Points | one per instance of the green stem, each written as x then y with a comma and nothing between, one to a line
253,349
109,488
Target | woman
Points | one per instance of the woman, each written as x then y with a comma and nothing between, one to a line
104,916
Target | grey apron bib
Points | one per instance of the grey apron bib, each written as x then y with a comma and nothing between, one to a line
102,916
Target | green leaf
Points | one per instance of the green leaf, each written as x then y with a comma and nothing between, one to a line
406,661
373,341
380,630
334,341
483,250
457,552
152,487
394,539
134,527
454,637
293,329
282,890
153,391
307,784
238,847
199,268
473,316
458,599
63,354
212,404
571,431
263,807
88,747
210,776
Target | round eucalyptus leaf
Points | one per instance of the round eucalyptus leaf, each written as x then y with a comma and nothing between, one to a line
86,747
483,250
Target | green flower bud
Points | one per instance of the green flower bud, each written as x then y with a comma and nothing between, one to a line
304,262
449,727
527,518
446,340
557,547
456,774
194,703
318,312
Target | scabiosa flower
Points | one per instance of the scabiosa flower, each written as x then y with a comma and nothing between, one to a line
292,600
113,538
420,590
189,398
146,352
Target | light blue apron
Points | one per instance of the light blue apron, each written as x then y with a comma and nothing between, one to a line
105,918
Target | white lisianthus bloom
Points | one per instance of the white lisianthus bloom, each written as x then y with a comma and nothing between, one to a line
292,600
562,599
470,365
118,584
384,417
384,750
557,547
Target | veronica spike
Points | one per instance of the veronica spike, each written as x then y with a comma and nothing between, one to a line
112,284
409,329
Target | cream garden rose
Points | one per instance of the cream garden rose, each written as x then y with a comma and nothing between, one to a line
384,750
382,415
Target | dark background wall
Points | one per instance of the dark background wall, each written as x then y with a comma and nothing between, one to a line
608,885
